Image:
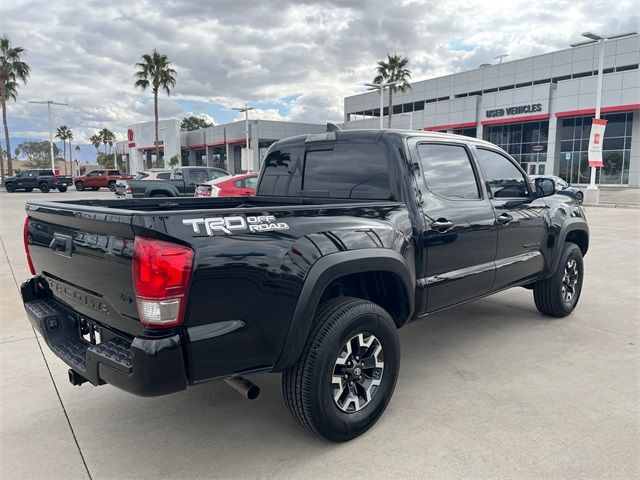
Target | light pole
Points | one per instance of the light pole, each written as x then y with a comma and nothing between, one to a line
49,103
380,88
500,57
592,194
245,109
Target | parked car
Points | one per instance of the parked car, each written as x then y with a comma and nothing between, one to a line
44,180
181,183
351,235
564,188
123,188
97,179
243,185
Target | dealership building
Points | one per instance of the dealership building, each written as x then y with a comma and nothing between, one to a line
539,109
218,146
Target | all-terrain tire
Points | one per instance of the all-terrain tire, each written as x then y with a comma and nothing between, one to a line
44,187
62,188
558,295
308,386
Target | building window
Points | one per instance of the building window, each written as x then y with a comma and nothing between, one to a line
526,142
616,150
418,105
467,132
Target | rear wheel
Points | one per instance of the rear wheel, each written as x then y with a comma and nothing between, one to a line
10,187
558,295
44,187
62,188
112,186
346,374
30,189
159,194
79,186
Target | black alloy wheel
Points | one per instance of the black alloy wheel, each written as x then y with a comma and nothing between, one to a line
346,374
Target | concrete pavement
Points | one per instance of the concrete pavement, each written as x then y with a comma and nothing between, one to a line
488,390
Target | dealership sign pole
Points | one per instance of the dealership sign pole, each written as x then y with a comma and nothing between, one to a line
597,127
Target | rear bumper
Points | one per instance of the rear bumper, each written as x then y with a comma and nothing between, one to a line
142,366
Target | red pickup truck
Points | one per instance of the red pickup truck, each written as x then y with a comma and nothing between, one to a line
97,179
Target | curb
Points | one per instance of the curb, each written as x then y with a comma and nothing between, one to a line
612,205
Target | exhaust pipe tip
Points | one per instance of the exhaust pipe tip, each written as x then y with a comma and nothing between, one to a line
244,387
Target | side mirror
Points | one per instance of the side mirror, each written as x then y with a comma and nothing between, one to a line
545,187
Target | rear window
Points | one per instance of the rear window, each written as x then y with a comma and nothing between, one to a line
164,175
350,170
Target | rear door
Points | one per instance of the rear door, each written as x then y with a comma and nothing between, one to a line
192,177
521,218
460,232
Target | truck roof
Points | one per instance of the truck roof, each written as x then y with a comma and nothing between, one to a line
374,135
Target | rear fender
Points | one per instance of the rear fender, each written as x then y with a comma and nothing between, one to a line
323,272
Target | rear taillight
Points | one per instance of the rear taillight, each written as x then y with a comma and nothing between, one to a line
127,188
215,191
27,241
161,277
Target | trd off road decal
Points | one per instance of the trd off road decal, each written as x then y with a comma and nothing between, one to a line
235,224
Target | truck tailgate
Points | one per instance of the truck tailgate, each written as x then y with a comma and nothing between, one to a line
85,256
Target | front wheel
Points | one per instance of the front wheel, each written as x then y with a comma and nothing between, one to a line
44,187
558,295
346,374
579,198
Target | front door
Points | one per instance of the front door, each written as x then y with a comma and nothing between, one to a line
521,217
460,233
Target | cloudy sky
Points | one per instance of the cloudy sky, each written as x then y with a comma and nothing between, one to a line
292,60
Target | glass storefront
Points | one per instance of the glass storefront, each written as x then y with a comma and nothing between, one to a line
526,142
616,150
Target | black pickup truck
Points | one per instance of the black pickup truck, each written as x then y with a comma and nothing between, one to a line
181,183
351,235
44,180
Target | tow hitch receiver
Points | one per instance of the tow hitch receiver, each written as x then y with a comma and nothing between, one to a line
76,379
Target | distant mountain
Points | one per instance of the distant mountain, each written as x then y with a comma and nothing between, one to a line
87,151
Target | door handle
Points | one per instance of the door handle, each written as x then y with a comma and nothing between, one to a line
441,225
504,218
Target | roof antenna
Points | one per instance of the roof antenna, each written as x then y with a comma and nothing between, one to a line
332,127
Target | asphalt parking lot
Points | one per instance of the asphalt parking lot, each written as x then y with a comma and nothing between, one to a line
491,389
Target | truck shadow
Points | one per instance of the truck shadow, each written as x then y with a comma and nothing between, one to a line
211,428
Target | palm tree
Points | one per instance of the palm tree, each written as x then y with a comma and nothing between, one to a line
96,141
77,154
64,133
12,71
394,69
154,70
69,138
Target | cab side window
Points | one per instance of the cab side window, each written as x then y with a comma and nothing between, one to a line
448,171
504,179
